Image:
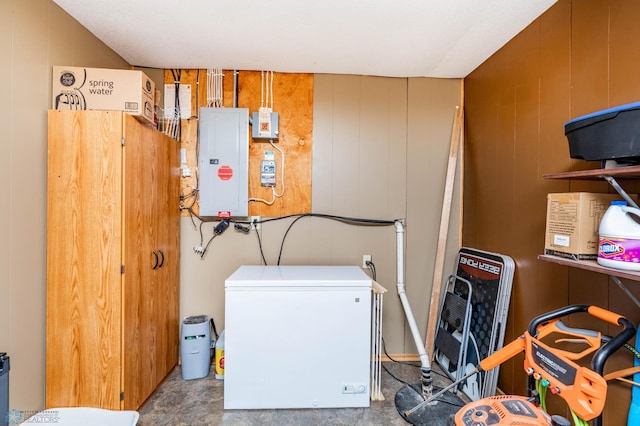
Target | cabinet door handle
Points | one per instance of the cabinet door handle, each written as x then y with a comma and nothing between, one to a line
162,261
156,256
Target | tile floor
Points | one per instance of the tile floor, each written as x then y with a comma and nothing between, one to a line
200,402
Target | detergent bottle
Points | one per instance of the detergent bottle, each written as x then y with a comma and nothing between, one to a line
220,357
619,239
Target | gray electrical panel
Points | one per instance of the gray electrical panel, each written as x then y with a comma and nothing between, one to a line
224,160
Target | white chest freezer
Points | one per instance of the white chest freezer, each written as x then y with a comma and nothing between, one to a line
297,337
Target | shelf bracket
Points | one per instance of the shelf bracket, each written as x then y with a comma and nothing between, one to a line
621,191
625,289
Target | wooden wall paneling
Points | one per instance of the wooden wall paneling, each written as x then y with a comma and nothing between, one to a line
374,143
555,92
589,56
293,101
480,126
346,129
345,161
624,55
430,127
619,393
323,146
525,203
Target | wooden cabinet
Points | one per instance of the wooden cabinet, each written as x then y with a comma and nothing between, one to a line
112,259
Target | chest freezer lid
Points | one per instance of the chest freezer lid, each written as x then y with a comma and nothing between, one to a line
298,276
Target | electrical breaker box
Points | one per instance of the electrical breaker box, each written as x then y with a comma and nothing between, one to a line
224,159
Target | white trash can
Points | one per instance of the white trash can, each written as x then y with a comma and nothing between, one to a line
195,347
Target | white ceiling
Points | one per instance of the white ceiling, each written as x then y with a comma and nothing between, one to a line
394,38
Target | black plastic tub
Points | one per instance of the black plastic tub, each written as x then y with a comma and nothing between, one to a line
610,134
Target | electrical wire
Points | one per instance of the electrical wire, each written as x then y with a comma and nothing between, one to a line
333,217
271,91
207,246
343,219
275,194
266,90
262,89
373,269
214,88
177,135
197,116
264,260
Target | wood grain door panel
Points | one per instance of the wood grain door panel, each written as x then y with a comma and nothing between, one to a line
140,260
83,252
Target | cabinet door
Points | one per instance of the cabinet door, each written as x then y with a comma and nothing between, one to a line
141,260
168,224
84,230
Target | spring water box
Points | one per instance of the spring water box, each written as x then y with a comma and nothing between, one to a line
79,88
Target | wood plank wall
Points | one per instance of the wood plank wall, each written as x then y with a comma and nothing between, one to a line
293,101
579,57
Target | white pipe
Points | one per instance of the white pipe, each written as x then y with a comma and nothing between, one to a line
424,358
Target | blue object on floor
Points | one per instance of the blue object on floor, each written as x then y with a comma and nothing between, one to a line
634,409
4,388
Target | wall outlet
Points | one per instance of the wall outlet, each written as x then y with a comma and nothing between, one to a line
255,222
366,258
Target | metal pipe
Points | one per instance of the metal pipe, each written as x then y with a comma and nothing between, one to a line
624,288
235,88
621,191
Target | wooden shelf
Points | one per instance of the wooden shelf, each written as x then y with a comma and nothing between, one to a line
628,172
591,265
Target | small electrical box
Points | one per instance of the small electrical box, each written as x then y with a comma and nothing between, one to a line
264,126
268,173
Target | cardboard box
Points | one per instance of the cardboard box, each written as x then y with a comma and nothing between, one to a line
573,220
131,91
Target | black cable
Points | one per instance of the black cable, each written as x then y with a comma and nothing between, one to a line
207,246
285,236
260,245
345,219
394,376
384,349
373,269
